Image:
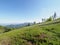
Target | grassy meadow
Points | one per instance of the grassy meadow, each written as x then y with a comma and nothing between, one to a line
32,35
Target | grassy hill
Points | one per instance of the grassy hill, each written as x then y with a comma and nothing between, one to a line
2,29
33,35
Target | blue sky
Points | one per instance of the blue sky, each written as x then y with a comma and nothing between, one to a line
20,11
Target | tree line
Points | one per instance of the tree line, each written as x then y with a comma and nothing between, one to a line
51,18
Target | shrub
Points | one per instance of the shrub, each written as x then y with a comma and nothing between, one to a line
49,19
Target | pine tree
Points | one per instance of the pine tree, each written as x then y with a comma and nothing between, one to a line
54,16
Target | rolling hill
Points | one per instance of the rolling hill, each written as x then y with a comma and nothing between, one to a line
33,35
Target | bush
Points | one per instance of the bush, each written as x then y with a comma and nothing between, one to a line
7,29
49,19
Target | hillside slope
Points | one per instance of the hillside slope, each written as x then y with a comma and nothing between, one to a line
2,29
32,35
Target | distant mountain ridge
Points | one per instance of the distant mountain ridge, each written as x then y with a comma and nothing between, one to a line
18,25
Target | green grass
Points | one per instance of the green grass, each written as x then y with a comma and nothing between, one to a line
32,35
1,29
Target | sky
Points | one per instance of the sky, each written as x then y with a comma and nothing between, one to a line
21,11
